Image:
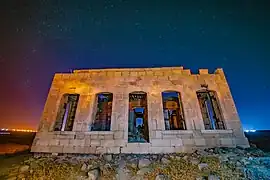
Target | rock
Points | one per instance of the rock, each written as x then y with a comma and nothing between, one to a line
240,147
133,165
122,171
213,177
185,157
178,158
161,177
31,171
34,165
252,145
12,178
21,176
144,170
154,157
90,166
84,167
238,164
54,154
202,152
144,162
194,161
211,150
24,168
201,166
93,174
165,160
108,157
138,177
82,174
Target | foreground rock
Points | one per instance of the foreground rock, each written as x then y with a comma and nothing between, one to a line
212,164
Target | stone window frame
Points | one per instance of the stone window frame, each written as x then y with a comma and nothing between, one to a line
220,109
148,114
180,99
94,111
59,104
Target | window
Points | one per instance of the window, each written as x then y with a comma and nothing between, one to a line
173,111
102,120
137,123
210,109
66,113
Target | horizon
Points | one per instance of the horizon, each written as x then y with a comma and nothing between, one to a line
40,38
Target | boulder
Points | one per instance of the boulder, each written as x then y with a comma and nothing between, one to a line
12,178
93,174
143,170
21,176
213,177
185,157
144,162
108,157
24,168
165,160
161,177
194,161
84,167
202,166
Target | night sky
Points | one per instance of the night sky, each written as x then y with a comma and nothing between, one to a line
39,38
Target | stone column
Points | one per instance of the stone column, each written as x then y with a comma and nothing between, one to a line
155,111
83,115
120,115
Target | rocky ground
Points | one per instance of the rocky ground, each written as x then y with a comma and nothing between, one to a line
215,163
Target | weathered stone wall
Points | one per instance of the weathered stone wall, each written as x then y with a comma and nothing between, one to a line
121,82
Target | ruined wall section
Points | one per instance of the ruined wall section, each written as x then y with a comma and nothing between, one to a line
121,82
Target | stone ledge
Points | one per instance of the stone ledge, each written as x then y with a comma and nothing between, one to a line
217,131
177,132
98,132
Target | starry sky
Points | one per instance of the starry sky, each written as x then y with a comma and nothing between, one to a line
41,37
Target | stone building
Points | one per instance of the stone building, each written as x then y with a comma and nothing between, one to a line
138,110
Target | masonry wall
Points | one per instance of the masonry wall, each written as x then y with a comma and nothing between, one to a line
121,82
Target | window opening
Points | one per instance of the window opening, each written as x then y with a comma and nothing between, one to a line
210,110
67,111
173,111
137,124
103,113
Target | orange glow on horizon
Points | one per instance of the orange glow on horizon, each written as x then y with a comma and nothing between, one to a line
18,130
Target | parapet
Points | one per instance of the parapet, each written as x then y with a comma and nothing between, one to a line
157,70
128,69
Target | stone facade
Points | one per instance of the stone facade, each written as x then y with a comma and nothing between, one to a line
121,82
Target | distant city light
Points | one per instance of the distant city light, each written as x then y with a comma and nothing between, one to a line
18,130
250,130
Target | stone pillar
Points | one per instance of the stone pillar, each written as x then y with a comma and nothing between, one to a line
192,109
81,122
155,111
120,113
